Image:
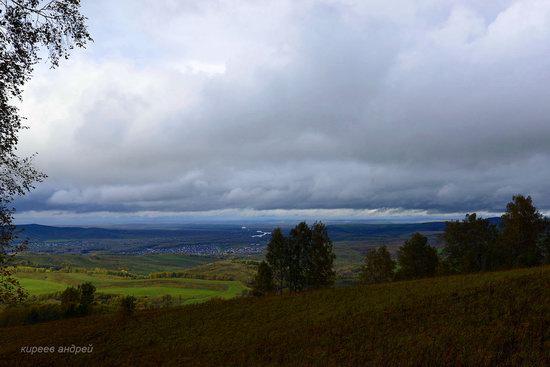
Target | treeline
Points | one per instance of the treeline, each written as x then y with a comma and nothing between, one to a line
300,261
522,239
76,301
190,275
32,268
304,259
231,270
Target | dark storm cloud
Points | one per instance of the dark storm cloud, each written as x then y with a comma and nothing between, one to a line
432,106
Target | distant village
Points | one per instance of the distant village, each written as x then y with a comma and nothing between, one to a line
153,246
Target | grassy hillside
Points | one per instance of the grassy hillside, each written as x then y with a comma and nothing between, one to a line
241,270
140,264
484,320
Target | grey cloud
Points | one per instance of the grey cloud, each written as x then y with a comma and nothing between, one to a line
436,106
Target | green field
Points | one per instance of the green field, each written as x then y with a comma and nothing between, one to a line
140,264
490,319
191,290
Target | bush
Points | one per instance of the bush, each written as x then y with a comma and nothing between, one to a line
167,300
70,300
127,305
87,292
42,313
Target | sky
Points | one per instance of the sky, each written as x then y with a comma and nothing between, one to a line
317,109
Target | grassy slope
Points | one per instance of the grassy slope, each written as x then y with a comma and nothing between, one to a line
193,289
41,286
231,269
142,264
488,319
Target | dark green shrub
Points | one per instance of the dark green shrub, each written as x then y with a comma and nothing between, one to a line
70,300
87,292
46,312
127,305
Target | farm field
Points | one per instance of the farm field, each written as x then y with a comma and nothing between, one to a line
139,264
191,290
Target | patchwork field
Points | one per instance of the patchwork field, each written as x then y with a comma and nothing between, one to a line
140,264
241,270
190,290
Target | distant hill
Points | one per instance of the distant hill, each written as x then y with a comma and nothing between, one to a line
210,239
37,232
350,232
491,319
40,232
337,231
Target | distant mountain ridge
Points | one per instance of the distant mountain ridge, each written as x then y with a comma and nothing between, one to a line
337,231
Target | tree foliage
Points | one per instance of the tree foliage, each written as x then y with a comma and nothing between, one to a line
127,305
28,29
70,300
87,293
522,227
378,268
417,259
320,271
78,300
263,281
278,258
470,244
522,240
544,242
303,260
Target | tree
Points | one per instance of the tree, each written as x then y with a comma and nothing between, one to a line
311,258
303,260
470,244
25,26
277,258
70,299
379,267
10,289
298,259
320,270
263,282
417,259
522,227
544,242
87,293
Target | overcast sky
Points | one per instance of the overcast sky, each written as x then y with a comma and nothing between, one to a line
309,108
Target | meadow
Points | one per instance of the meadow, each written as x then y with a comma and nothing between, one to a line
488,319
189,290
